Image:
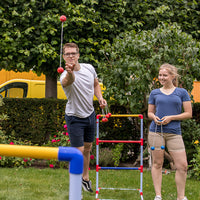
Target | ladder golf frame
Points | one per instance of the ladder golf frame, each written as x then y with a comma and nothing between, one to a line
119,141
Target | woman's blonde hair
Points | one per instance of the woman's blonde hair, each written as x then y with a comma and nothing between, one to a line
173,71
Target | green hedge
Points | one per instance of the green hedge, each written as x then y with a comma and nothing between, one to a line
196,112
35,120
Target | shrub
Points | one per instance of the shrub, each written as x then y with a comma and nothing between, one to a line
195,162
105,157
61,138
14,161
117,153
190,133
10,139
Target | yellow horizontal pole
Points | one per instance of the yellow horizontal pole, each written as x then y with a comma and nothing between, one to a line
124,115
29,151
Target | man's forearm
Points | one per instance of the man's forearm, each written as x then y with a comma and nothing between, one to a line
97,92
68,79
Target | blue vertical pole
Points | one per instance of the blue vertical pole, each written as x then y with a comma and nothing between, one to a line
141,158
76,169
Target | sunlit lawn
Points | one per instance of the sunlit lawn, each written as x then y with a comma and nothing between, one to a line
53,184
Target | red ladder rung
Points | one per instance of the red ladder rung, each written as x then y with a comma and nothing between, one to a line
119,141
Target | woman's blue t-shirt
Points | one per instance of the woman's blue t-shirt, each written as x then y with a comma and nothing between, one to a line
168,105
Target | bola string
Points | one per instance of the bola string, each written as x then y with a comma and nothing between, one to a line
61,43
162,146
153,147
60,70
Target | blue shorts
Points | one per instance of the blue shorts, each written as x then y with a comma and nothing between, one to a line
81,129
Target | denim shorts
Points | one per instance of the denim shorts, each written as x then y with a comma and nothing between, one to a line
81,129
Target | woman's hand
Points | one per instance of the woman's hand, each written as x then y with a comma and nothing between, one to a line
157,120
166,120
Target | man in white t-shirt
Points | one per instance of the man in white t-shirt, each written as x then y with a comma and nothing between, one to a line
80,84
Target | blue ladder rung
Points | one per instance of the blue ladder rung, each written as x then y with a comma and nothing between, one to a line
120,168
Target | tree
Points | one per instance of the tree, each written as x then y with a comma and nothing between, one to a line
131,63
30,33
149,13
30,29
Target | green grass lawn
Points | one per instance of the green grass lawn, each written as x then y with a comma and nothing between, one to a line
53,184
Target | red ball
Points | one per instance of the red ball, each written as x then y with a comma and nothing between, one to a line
104,119
60,70
107,115
63,18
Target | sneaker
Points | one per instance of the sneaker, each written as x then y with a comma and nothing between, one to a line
185,198
158,197
87,185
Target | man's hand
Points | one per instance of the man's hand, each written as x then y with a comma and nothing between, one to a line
102,102
69,68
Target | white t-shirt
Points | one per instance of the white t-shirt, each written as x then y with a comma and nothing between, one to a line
81,92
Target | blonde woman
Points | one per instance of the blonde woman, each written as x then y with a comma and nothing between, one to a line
168,105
